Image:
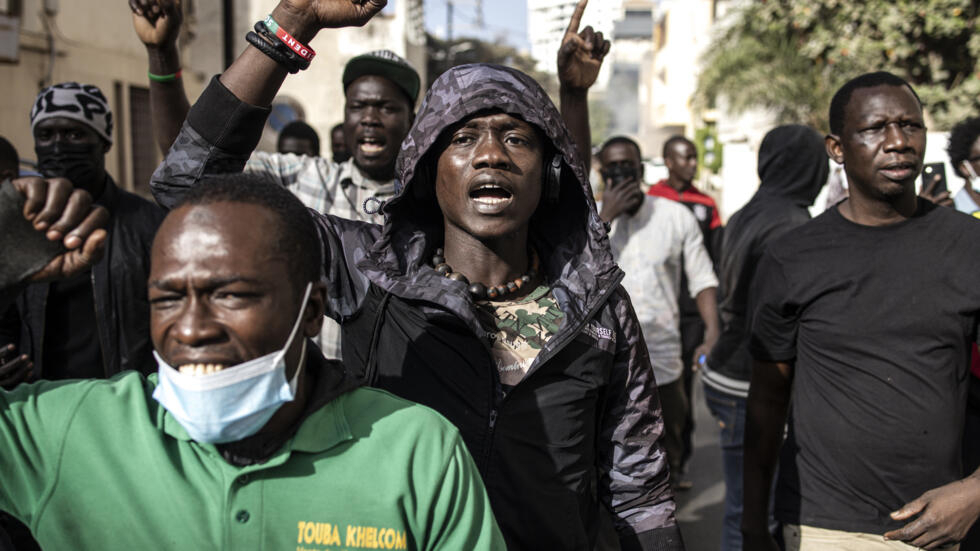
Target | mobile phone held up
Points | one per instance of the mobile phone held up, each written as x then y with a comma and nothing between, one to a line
929,173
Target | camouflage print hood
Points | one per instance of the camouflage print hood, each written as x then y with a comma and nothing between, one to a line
568,235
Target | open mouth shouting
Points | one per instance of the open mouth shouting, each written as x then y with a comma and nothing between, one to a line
490,197
371,146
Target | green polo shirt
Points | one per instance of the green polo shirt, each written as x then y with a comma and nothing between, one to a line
101,465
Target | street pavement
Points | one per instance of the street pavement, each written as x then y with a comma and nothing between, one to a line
700,509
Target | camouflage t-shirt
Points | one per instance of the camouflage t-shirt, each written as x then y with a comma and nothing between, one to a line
520,329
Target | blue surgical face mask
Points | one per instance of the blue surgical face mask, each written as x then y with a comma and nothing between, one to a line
235,402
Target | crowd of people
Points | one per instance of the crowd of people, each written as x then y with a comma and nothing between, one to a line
437,338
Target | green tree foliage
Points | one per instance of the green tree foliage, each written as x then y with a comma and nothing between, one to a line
790,56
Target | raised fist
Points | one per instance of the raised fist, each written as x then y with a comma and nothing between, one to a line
157,22
305,17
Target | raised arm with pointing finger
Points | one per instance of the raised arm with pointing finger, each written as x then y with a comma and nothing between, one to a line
579,60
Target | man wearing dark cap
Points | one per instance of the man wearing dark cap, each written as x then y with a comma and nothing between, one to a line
380,90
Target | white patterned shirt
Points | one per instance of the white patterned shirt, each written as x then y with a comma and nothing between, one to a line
330,188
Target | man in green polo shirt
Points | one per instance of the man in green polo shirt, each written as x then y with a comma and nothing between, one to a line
246,438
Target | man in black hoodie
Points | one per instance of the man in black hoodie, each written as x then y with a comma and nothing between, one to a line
793,167
489,294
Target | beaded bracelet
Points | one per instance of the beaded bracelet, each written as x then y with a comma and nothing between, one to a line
269,50
294,59
301,49
164,78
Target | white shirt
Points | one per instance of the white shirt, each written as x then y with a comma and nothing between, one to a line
652,247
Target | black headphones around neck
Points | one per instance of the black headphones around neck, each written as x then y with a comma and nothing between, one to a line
552,183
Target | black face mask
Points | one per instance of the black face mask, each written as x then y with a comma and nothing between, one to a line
619,173
81,164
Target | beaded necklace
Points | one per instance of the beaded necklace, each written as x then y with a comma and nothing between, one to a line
480,291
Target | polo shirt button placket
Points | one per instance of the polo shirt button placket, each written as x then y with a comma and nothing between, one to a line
242,516
244,479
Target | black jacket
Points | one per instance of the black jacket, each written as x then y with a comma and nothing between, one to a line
119,290
581,433
793,167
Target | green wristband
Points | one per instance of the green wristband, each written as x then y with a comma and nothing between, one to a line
164,78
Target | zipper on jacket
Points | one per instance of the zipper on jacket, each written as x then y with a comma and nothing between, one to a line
490,433
495,402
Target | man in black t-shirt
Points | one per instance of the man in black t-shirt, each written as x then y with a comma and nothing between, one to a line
863,321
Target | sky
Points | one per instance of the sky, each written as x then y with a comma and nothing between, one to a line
504,20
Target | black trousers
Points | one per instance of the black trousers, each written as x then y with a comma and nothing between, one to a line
692,335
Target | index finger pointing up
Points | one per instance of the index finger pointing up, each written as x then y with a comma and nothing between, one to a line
576,19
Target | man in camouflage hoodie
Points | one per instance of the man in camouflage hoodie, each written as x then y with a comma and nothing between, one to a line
489,295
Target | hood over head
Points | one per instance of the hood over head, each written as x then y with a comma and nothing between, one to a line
569,236
793,163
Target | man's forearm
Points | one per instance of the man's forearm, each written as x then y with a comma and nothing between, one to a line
765,420
575,112
254,77
168,100
707,301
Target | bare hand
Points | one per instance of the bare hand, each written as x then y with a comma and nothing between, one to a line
928,193
942,516
55,207
302,17
620,198
701,354
581,53
14,369
157,22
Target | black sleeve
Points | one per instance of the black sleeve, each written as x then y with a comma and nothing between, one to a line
714,244
218,137
774,313
632,462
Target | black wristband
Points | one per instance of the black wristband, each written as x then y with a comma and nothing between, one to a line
263,46
280,46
